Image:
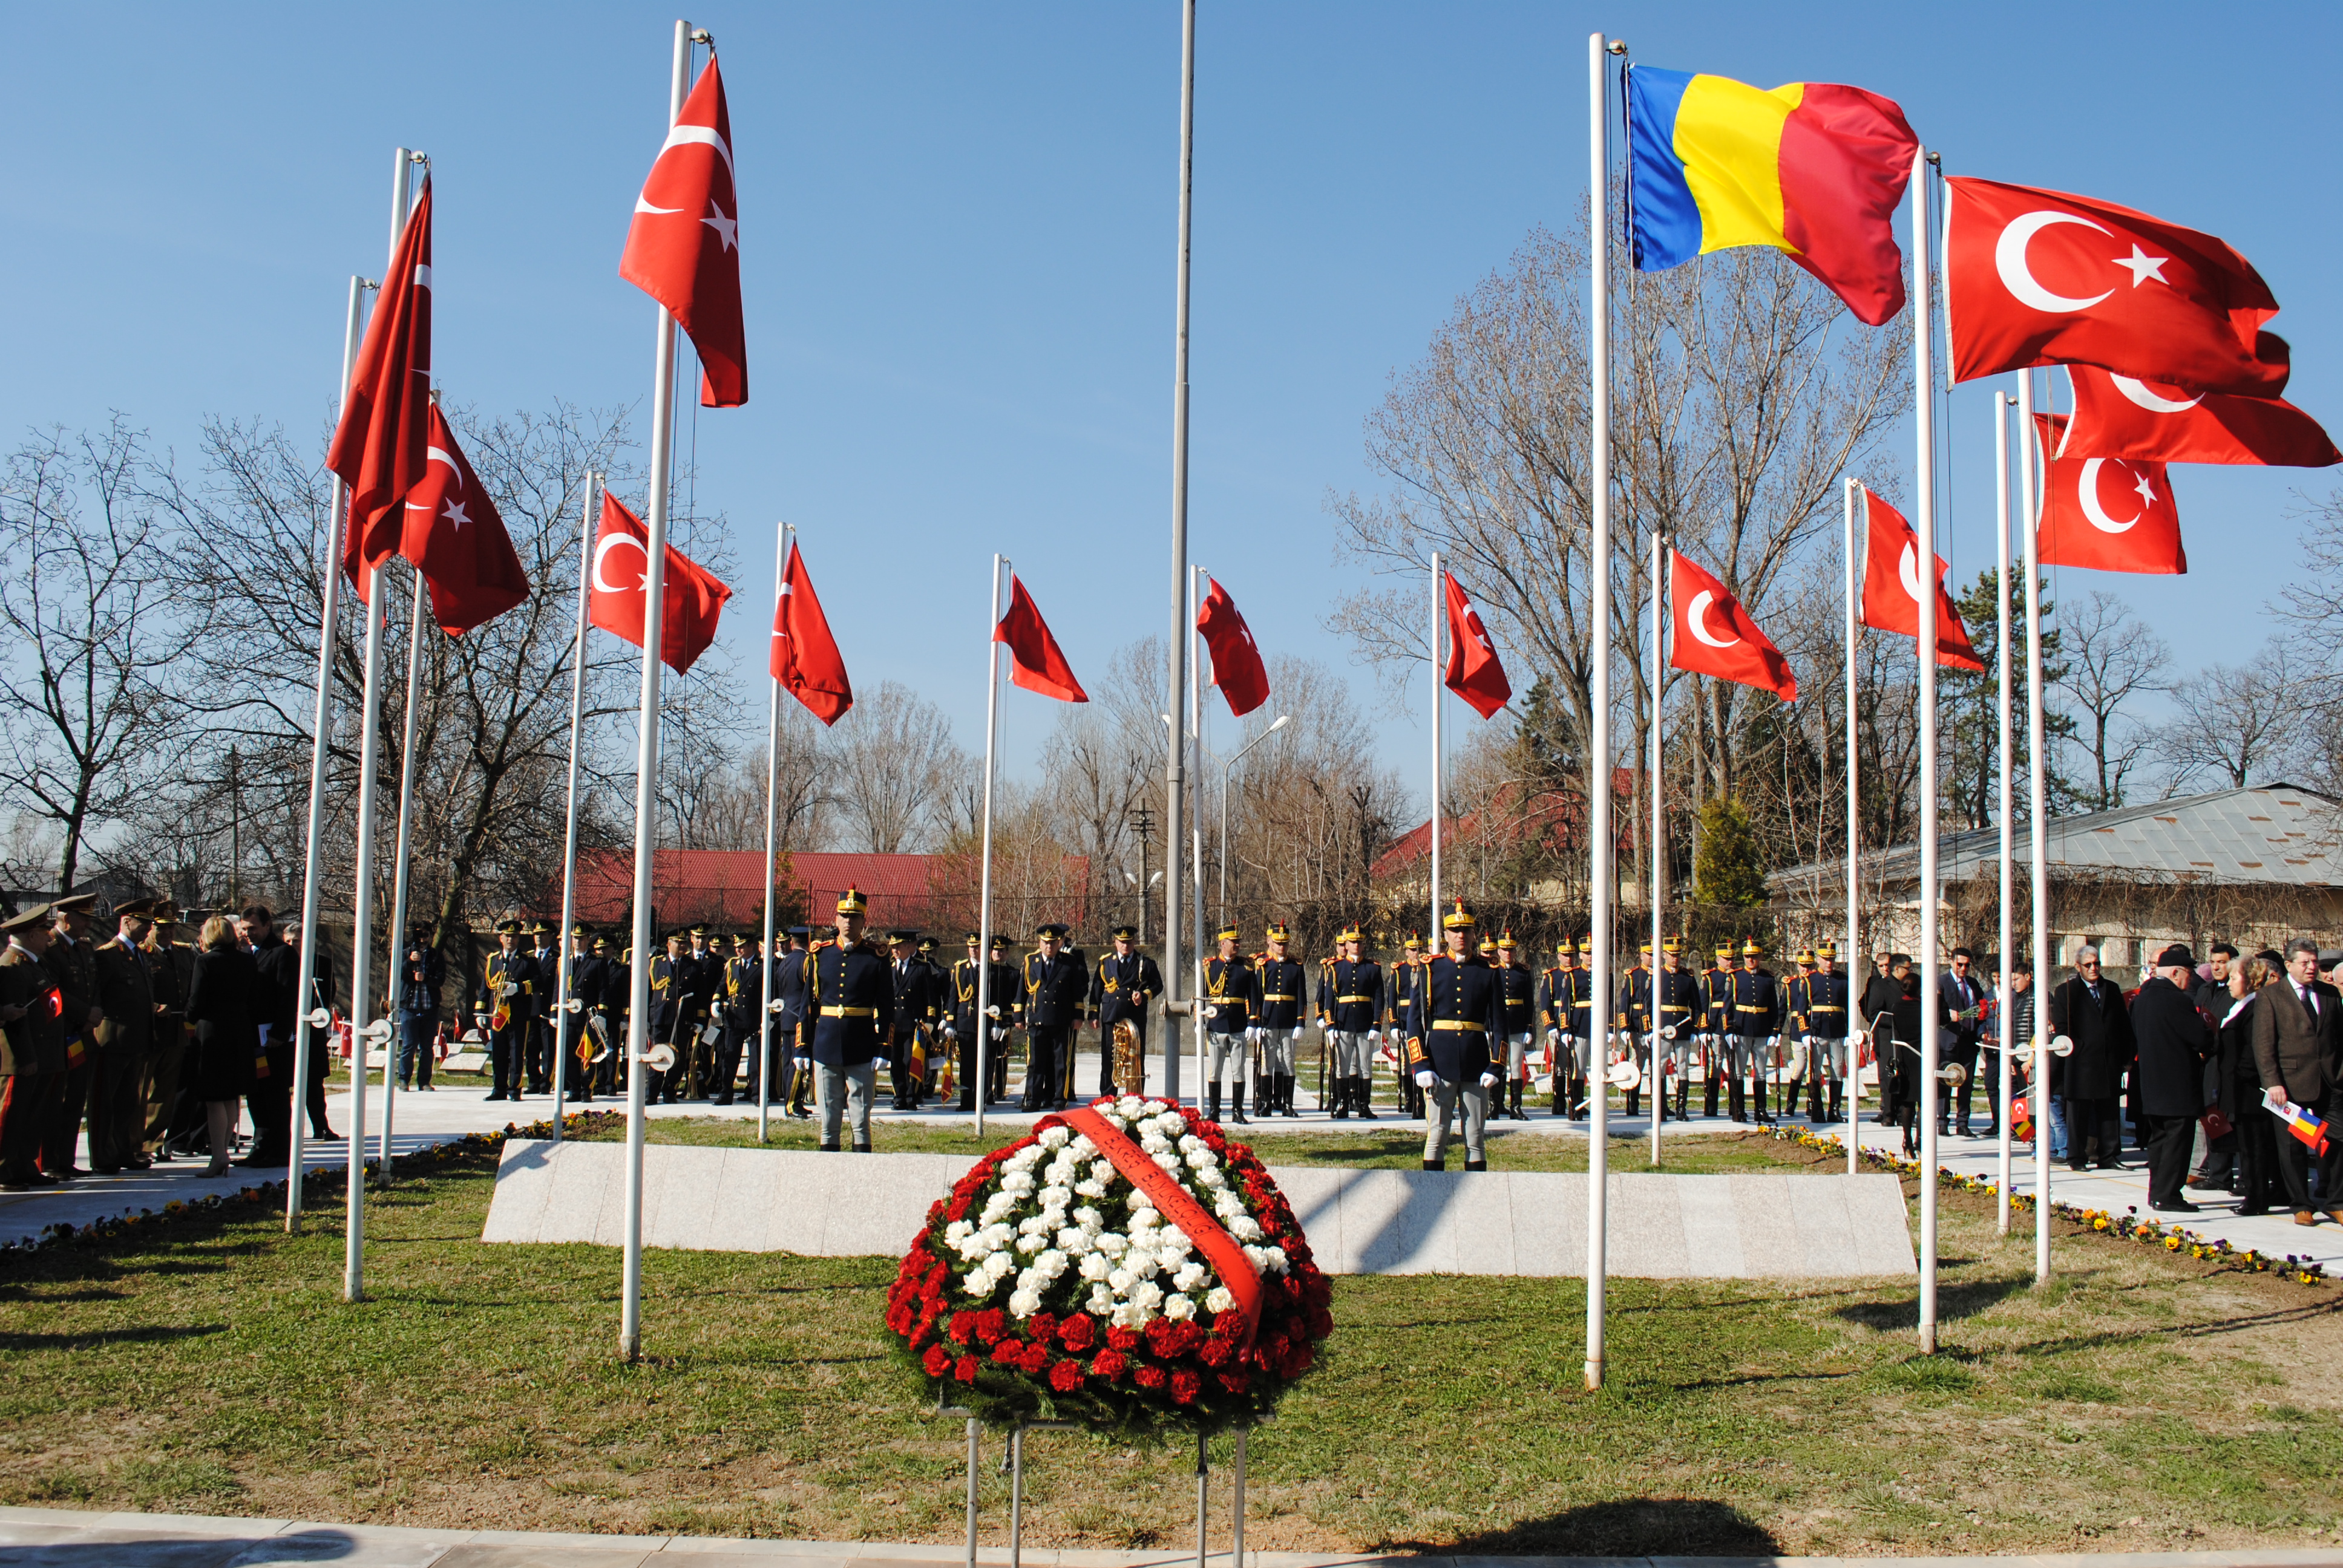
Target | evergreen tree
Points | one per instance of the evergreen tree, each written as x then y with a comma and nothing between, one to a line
1726,871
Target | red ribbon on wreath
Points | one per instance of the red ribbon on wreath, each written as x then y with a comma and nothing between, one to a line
1175,1203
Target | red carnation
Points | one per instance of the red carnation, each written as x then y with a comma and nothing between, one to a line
1298,1358
1149,1376
1236,1382
966,1368
1122,1339
1078,1332
936,1360
990,1324
963,1325
1217,1351
917,1335
1009,1354
1186,1385
1035,1357
1041,1325
1161,1336
1066,1376
1110,1364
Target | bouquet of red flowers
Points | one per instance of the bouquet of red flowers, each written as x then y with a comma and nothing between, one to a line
1125,1267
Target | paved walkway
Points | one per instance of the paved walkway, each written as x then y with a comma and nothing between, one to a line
63,1538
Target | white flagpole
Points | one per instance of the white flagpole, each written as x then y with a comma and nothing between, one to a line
1925,574
1175,780
984,882
1598,762
362,902
784,537
2001,614
313,854
570,1005
1658,889
1196,577
2039,814
1858,962
1432,932
397,945
647,751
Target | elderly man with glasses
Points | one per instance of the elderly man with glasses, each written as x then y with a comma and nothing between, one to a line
2088,1010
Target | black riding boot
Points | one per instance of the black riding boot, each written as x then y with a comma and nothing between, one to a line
1365,1087
1285,1095
1212,1103
1236,1102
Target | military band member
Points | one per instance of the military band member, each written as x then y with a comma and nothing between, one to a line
504,998
1125,982
584,1030
1456,1018
740,997
1826,1016
1350,998
704,971
612,1003
789,1064
1756,1025
1280,997
852,999
1399,995
1520,988
1228,1024
670,982
1055,991
1716,1007
544,975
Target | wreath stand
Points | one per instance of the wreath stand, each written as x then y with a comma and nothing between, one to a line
1013,1461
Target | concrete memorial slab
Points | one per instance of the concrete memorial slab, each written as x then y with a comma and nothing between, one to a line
1502,1223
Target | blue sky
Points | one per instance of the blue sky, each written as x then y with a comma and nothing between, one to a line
958,224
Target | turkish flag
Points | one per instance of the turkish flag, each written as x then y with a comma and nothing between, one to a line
1035,662
381,446
1237,668
2105,513
456,540
2123,416
806,660
2040,277
1891,586
1714,634
684,247
1475,673
689,607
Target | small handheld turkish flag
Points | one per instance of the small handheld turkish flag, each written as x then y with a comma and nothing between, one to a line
1474,673
1891,586
684,246
457,541
1237,668
381,443
689,607
2142,421
2105,513
806,660
1035,662
2042,277
1715,636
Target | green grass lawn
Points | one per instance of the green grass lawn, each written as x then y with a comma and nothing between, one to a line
2143,1402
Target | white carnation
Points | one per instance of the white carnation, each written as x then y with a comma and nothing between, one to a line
1131,1315
959,1230
1023,1304
1139,1263
1130,1105
1167,1161
1277,1259
1178,1306
1103,1173
1190,1144
1210,1178
1056,1137
1095,1268
1018,1182
1190,1276
1219,1300
1120,1280
1090,1189
1101,1301
1090,1218
1112,1242
1032,1244
1245,1228
1146,1293
978,1282
1081,1147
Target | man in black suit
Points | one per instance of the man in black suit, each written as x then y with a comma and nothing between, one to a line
2296,1035
2174,1040
2089,1011
1963,998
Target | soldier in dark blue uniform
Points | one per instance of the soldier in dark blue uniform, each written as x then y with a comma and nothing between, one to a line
792,1058
1680,1019
852,997
1399,995
1553,1019
1716,1027
1281,996
504,1011
1826,1015
1228,1024
1756,1024
1520,987
740,997
1054,989
1635,1020
1125,982
1457,1016
1350,998
585,981
544,976
906,1049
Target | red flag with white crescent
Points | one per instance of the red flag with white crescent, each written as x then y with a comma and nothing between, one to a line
381,442
1891,586
683,248
1237,668
1474,673
457,541
1715,636
617,588
2108,513
806,660
2148,421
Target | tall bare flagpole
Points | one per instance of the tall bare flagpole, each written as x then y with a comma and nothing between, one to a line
984,874
2003,992
362,1027
1431,932
2039,821
395,947
783,536
1176,774
1196,577
312,858
570,1005
646,752
1925,574
1658,889
1598,760
1858,970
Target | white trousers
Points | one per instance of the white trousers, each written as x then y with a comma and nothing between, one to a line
1444,1100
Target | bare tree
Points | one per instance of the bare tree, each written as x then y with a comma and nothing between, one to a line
896,761
2235,723
93,644
2111,658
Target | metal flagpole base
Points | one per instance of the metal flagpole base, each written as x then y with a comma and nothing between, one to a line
1203,1498
1016,1484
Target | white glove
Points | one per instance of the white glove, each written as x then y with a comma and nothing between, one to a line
992,1011
952,1031
509,989
1489,1080
1297,1032
1375,1037
1425,1078
1553,1039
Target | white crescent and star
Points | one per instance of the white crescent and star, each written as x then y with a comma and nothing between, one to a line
2136,391
1907,569
2094,513
2009,260
1697,617
610,542
453,510
694,135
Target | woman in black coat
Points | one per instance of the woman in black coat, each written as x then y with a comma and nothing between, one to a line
221,1007
2241,1087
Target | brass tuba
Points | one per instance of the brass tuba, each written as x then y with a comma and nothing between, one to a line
1130,1061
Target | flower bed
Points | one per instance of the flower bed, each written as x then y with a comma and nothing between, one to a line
1143,1278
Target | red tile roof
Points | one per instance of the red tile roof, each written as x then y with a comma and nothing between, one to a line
724,887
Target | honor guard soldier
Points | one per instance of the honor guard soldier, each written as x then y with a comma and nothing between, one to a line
32,1049
1399,989
1350,999
1798,1061
1228,1024
1586,1023
906,1048
1554,1018
1280,993
1457,1017
1125,982
1520,988
852,999
589,981
1826,1015
1635,1021
1756,1024
1681,1018
740,999
1055,989
505,981
1716,1004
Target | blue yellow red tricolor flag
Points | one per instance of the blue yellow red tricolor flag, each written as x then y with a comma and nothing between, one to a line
1812,168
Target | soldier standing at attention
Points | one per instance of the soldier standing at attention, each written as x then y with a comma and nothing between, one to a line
125,1040
1280,993
1716,1007
1350,995
1458,1014
579,1040
1228,1013
1126,981
740,999
1825,1034
1756,1021
1680,1019
1400,989
1521,1023
32,1049
73,972
1637,1019
504,997
1055,986
171,968
1793,1028
1554,1018
791,977
911,979
852,999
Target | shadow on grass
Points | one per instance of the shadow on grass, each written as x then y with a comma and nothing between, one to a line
154,1333
1627,1527
1954,1303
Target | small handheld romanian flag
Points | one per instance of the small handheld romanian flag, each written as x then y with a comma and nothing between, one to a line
1812,168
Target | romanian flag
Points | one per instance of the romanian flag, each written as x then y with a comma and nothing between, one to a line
1812,168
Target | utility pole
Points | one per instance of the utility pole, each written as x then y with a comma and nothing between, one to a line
1142,823
234,830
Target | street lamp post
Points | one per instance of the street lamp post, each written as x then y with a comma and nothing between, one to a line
1282,719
